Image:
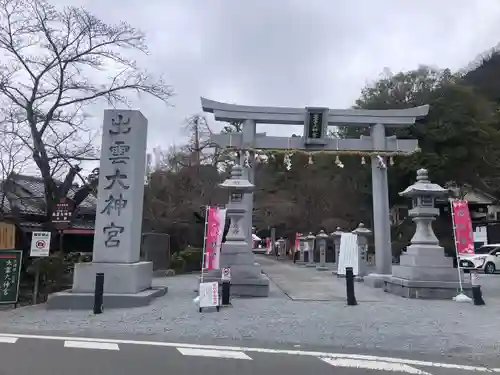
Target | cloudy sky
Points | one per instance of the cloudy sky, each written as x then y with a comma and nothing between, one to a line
292,52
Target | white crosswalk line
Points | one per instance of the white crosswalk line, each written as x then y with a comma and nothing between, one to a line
8,340
213,353
91,345
374,365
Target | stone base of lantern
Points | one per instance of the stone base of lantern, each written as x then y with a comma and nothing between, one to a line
247,280
425,289
424,272
376,280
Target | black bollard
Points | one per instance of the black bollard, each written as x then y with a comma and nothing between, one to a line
99,293
349,283
226,293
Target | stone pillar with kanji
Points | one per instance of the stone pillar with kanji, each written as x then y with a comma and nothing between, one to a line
118,224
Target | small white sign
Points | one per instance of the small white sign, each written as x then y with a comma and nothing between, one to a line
226,274
40,244
349,253
474,279
209,294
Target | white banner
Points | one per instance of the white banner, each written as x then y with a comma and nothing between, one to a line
349,256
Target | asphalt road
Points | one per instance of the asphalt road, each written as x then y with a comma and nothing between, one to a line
29,354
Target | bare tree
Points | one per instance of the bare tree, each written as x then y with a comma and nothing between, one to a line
13,159
199,147
56,63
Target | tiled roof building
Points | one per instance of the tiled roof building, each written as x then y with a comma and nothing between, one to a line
24,195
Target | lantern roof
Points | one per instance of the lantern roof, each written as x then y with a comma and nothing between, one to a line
338,232
424,187
237,181
311,236
321,234
361,229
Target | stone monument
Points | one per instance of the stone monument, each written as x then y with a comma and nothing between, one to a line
118,225
310,238
424,270
316,120
302,249
321,238
336,243
236,253
363,233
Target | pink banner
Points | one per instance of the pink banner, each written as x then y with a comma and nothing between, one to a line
216,219
268,245
462,224
297,236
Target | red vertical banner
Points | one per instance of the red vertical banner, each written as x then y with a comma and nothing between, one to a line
462,227
213,239
297,236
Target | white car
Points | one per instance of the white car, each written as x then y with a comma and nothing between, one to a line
486,258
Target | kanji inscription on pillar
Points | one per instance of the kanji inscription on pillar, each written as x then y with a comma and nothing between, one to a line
121,187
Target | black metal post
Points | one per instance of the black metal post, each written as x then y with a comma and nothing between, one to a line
226,293
99,293
477,295
37,282
349,283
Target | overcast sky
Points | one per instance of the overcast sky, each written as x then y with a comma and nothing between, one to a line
292,52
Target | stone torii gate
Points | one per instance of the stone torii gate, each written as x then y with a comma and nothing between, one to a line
316,121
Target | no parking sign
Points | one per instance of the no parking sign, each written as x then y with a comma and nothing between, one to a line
40,244
226,274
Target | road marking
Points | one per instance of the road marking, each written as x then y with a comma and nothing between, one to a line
410,362
8,340
91,345
373,365
213,353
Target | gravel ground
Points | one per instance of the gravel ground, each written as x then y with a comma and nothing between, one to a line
437,327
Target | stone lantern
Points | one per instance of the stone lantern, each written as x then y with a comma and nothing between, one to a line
321,238
281,246
246,278
302,249
336,242
362,233
424,270
310,249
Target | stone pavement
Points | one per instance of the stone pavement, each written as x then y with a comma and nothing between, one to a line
391,324
308,284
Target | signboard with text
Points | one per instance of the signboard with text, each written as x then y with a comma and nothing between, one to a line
10,272
316,125
63,213
40,244
209,294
